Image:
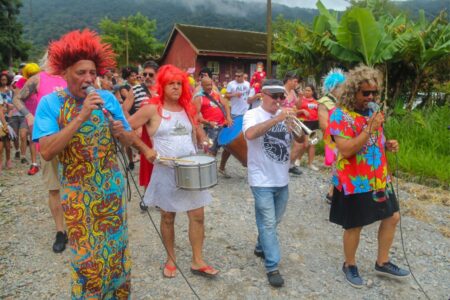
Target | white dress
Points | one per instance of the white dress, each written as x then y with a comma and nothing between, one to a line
173,139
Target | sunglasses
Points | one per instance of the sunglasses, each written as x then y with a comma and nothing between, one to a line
276,96
148,74
367,93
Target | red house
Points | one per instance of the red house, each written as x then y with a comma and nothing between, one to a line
222,50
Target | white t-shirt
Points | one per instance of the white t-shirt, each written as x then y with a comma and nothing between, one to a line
268,155
239,105
255,103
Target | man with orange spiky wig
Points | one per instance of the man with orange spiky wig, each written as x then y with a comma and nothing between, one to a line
79,125
170,120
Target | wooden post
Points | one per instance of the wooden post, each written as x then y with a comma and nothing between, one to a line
269,39
126,41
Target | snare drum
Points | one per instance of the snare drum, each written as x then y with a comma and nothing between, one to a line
200,174
232,139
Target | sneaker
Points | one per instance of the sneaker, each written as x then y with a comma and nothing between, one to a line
275,278
295,171
23,160
390,270
17,155
313,167
352,276
60,242
297,163
259,253
33,170
224,173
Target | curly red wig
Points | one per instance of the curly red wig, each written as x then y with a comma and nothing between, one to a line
79,45
166,74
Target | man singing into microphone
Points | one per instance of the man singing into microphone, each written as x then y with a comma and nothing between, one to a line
362,191
70,124
269,143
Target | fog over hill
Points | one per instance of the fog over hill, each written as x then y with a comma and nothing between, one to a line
46,20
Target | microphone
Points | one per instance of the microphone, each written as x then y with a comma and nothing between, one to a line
89,90
373,107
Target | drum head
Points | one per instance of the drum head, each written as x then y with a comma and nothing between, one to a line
196,159
228,134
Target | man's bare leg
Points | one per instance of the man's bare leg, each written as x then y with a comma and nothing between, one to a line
196,237
168,234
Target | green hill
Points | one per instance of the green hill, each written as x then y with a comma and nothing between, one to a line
45,20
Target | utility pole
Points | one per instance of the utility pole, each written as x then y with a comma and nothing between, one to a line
126,41
269,38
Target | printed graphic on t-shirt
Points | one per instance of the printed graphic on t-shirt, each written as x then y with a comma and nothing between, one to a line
276,143
179,129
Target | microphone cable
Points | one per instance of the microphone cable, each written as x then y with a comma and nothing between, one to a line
395,191
401,231
122,159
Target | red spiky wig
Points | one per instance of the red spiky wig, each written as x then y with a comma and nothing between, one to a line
79,45
166,74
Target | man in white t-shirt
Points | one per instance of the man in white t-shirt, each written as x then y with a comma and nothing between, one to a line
237,92
269,142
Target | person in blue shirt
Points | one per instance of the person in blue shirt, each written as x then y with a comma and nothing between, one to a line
80,126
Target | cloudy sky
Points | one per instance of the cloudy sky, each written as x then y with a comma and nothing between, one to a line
331,4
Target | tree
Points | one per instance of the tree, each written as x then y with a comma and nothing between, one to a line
132,36
429,47
12,46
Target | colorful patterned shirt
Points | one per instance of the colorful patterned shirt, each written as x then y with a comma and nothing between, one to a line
367,170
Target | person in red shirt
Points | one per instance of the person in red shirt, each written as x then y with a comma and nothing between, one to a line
213,113
308,114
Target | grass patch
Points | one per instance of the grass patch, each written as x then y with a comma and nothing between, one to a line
424,142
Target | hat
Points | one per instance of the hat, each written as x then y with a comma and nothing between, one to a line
273,86
16,78
22,65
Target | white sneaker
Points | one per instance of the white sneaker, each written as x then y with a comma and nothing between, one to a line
313,167
297,163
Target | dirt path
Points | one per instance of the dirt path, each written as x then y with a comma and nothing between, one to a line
311,246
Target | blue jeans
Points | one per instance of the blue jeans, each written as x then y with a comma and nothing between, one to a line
270,205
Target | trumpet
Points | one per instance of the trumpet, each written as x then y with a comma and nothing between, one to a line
299,129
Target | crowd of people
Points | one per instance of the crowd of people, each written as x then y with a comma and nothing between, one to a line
79,109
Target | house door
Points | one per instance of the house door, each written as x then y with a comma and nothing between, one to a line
252,69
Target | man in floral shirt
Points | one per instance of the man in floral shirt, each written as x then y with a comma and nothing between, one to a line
362,190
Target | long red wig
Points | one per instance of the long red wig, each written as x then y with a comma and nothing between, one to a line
79,45
166,74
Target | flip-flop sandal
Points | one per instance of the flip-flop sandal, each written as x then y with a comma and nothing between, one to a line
202,272
169,268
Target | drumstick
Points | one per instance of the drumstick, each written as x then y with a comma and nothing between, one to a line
176,159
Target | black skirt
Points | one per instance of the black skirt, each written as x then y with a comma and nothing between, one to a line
359,210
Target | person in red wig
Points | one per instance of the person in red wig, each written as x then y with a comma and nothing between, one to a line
80,126
171,122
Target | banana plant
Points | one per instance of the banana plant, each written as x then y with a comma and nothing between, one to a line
430,45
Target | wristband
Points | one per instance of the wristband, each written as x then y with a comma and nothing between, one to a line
24,111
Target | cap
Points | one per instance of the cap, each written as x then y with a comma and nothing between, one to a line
273,89
16,78
22,65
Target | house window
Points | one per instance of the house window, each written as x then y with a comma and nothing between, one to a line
213,66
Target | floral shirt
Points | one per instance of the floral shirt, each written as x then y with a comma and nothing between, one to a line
367,170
